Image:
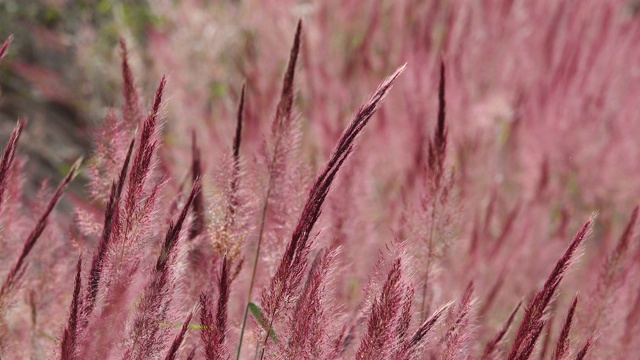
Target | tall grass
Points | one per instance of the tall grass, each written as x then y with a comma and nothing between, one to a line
249,214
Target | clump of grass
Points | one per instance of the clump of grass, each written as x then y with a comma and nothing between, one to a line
446,183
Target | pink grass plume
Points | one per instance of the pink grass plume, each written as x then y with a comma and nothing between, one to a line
562,346
378,341
534,318
294,261
491,348
131,110
152,309
179,339
5,47
198,224
214,330
8,158
582,354
410,348
18,268
109,230
70,335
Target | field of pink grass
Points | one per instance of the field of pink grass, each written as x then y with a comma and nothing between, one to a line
340,179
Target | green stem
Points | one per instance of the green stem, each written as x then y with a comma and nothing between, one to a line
255,266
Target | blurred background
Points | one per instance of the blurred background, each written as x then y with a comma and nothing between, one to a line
537,91
60,50
542,89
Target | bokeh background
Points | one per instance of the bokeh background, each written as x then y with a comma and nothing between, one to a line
559,76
